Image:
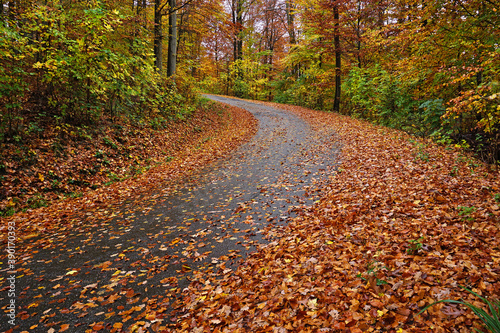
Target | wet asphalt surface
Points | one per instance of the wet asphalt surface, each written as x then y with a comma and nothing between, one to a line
122,271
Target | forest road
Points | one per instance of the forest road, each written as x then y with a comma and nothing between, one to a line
130,272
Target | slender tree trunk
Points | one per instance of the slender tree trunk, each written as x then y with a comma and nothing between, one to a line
217,55
235,35
358,35
172,39
380,14
290,20
12,10
144,14
290,17
237,17
158,37
227,76
336,41
239,23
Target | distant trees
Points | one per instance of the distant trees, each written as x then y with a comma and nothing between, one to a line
430,68
258,32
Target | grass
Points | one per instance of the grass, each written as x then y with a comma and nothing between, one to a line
490,321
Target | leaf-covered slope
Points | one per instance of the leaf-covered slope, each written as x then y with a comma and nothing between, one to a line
210,134
404,223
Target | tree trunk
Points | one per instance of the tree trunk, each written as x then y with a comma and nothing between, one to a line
358,35
380,14
217,55
237,13
158,37
336,41
172,39
290,22
239,22
145,14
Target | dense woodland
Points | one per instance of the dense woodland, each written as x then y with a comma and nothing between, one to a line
430,68
114,224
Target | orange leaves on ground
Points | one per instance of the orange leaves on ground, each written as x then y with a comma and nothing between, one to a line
186,143
403,223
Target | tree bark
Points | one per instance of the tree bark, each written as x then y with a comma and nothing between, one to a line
172,39
239,22
338,59
237,13
158,37
290,17
358,35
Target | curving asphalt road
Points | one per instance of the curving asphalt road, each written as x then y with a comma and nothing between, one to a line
119,274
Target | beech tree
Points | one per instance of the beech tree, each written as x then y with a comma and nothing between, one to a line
168,8
172,38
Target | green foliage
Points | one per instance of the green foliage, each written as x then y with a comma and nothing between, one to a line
454,171
245,78
72,65
213,85
414,245
113,178
421,153
313,88
9,211
465,212
372,269
249,79
283,92
99,154
379,96
13,83
491,321
37,201
109,142
430,112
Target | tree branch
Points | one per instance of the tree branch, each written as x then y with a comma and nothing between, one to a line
188,2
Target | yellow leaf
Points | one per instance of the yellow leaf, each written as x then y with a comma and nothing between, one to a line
380,313
32,305
40,176
312,303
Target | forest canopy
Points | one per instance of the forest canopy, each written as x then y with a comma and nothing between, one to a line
430,68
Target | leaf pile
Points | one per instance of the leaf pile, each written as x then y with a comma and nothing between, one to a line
208,135
403,223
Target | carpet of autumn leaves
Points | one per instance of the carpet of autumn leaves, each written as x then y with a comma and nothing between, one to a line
65,161
403,223
164,158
